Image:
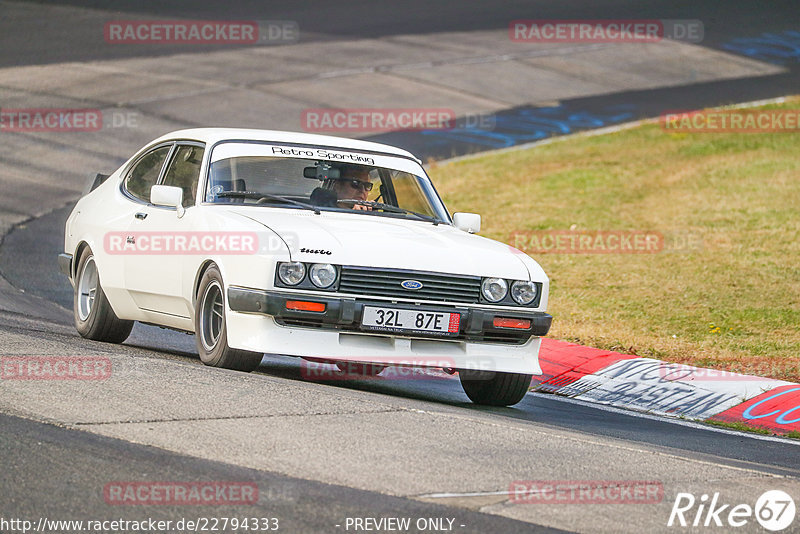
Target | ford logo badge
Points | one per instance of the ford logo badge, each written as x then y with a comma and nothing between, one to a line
411,284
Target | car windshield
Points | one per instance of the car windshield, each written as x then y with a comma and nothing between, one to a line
322,185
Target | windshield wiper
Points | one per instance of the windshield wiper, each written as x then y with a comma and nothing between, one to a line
256,194
393,209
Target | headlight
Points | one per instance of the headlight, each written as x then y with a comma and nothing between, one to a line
494,289
322,274
523,292
292,273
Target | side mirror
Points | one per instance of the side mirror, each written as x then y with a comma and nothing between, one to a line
469,222
169,196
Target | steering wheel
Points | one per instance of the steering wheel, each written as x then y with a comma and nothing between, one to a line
356,202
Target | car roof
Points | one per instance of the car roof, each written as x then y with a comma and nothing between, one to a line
215,135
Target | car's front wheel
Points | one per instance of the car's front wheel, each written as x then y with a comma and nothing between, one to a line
94,317
210,327
494,388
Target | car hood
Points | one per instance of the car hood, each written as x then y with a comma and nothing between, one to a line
377,241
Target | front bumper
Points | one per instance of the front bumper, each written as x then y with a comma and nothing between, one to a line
344,314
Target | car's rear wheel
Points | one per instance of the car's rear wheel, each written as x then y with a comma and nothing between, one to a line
210,327
94,317
494,388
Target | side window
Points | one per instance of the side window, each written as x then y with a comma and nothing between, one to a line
408,192
144,174
377,183
184,171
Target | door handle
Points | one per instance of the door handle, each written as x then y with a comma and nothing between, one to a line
141,216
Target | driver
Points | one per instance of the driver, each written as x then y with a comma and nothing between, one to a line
353,183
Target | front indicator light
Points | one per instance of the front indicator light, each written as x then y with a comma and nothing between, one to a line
302,305
507,322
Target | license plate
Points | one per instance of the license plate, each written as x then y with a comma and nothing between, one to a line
401,320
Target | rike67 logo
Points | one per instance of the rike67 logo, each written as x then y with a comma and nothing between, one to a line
774,510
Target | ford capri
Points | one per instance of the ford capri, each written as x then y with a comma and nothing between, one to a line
328,249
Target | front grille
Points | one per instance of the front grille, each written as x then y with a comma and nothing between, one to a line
386,283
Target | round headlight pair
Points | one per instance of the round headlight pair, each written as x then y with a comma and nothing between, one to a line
496,289
321,275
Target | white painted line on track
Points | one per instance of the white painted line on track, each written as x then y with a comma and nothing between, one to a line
472,494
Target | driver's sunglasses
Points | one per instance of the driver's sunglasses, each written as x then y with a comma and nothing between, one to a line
358,184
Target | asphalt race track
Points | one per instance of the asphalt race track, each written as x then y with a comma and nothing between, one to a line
324,453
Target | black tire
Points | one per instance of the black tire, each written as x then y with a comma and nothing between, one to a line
94,317
211,330
494,388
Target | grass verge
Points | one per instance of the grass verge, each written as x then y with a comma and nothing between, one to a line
725,290
742,427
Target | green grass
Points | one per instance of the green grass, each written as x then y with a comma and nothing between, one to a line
730,301
742,427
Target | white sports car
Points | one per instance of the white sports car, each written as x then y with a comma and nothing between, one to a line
330,249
